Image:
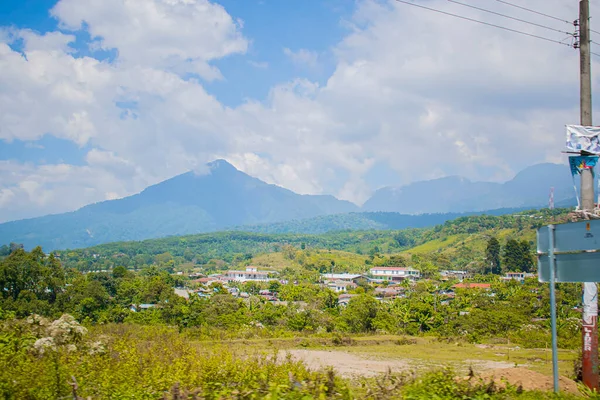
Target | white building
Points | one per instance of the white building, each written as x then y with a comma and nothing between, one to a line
251,274
342,277
460,275
341,286
394,273
517,276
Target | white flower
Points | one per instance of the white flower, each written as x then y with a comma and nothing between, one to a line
66,330
35,319
96,348
44,344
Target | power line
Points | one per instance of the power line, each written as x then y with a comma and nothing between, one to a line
483,22
510,17
543,14
534,11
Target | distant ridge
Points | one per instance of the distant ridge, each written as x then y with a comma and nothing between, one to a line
365,221
225,198
185,204
529,188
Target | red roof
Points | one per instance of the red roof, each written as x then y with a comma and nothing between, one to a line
204,280
472,285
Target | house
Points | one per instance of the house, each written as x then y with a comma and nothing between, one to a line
390,292
141,307
182,293
251,274
341,286
344,299
517,276
460,275
356,278
394,273
205,281
472,286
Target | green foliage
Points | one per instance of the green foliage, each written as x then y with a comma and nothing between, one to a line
492,255
132,362
518,256
40,359
360,314
443,385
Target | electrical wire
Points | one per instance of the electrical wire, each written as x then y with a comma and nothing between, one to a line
482,22
510,17
541,13
534,11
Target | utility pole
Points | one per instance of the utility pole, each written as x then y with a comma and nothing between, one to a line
590,289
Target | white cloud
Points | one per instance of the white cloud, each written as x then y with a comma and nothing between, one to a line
259,64
425,93
303,57
183,35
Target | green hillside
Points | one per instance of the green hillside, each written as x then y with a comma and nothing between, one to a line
455,244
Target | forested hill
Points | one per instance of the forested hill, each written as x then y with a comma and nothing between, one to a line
460,239
364,221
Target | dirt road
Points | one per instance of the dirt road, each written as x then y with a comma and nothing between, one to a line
348,364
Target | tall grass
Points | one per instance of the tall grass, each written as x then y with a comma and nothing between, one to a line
128,361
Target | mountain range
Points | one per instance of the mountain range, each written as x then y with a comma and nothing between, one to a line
529,188
226,198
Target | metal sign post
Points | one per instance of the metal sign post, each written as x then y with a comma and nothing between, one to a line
571,253
553,305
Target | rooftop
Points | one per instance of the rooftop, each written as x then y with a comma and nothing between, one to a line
472,285
341,276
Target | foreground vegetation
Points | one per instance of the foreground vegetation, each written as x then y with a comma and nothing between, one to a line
219,345
41,359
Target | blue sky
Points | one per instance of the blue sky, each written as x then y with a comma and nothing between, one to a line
101,98
261,18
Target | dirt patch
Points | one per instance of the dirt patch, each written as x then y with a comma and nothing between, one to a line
529,380
347,364
479,365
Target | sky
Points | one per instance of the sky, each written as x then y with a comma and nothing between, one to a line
102,98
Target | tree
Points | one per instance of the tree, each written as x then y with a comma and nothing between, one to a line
15,246
527,256
119,272
517,256
360,312
4,250
492,255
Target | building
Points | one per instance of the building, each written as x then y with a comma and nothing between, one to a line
390,292
472,286
341,286
141,307
344,299
182,293
394,273
517,276
251,274
460,275
343,277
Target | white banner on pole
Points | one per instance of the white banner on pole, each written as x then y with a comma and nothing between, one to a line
590,302
583,138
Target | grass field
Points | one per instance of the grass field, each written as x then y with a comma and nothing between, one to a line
412,354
